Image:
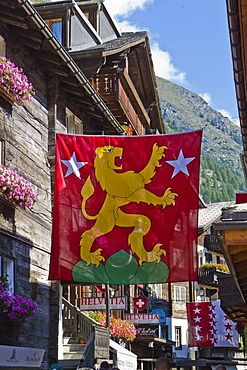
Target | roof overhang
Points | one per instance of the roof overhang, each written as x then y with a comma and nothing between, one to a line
231,231
237,21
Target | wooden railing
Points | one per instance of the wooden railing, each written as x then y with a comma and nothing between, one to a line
207,277
81,326
109,86
211,243
78,323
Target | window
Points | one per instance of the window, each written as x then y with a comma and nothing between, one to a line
164,331
1,152
179,294
73,123
7,269
208,257
2,47
55,26
178,337
157,289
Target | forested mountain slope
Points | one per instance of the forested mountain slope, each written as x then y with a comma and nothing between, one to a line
221,170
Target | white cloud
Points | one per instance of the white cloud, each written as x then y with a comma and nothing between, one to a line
126,26
125,7
207,97
164,67
225,113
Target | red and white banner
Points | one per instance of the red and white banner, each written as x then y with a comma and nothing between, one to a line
99,303
209,326
143,318
126,209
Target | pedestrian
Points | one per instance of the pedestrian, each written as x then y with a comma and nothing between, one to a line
163,363
104,365
220,367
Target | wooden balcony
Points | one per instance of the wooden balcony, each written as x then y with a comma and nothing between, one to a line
121,97
208,277
211,243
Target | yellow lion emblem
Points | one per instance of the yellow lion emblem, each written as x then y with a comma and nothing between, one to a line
122,188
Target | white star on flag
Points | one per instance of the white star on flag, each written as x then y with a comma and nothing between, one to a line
197,319
198,337
180,164
198,328
73,166
197,310
213,340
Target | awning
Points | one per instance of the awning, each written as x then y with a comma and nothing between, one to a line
126,360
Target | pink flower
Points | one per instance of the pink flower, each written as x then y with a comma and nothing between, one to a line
119,329
16,308
15,188
14,81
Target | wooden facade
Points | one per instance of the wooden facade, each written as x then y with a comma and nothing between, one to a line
69,98
232,229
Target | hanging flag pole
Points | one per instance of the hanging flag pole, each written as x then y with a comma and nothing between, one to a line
107,298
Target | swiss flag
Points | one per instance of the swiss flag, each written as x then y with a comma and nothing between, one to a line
140,303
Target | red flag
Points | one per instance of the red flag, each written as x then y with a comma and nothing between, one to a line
209,326
125,208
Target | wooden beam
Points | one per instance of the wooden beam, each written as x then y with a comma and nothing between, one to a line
235,249
241,256
235,237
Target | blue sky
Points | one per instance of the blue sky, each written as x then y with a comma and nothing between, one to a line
190,44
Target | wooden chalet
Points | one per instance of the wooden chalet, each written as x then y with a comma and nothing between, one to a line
88,78
232,229
119,66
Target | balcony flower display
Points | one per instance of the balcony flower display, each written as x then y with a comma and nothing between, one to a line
119,329
217,266
241,328
127,128
14,307
14,82
16,188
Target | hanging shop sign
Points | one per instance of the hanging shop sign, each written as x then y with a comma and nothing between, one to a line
101,288
143,318
162,314
147,332
99,303
140,303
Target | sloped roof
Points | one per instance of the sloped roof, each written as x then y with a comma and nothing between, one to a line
210,214
126,39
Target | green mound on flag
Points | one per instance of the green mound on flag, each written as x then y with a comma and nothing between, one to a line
120,268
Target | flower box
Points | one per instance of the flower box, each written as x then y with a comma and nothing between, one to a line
14,84
16,189
14,308
7,96
127,128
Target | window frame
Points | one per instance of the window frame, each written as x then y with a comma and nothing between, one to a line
7,268
2,152
178,337
2,46
179,294
73,124
52,21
